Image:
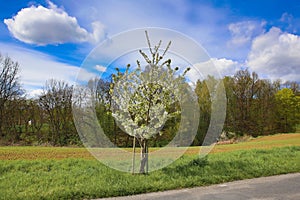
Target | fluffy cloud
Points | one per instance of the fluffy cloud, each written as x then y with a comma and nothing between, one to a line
276,54
213,67
40,25
226,67
243,32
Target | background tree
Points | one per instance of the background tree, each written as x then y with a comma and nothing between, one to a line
10,90
36,120
56,100
251,106
204,101
100,89
263,110
18,117
287,110
245,89
231,108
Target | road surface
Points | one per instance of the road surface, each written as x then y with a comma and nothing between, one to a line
283,187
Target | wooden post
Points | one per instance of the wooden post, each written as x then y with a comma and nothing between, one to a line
133,157
147,153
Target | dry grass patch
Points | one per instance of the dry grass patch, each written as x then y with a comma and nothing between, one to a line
36,153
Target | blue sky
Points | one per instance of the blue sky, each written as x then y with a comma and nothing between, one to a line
50,39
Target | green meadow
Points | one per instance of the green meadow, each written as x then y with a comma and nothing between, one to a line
72,173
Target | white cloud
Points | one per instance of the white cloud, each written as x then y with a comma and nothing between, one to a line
213,67
40,25
226,67
36,68
100,68
35,93
243,32
276,55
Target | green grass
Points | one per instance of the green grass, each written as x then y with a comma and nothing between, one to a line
75,178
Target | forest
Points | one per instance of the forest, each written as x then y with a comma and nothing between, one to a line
255,107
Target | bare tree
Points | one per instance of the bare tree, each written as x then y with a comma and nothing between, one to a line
9,87
56,100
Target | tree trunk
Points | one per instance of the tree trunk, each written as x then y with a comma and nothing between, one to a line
144,157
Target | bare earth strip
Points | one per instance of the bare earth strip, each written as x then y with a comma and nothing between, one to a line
35,153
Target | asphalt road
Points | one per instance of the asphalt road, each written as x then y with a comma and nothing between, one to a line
283,187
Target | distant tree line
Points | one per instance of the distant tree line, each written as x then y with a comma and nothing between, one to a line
254,107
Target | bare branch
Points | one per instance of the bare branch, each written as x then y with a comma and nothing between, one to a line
148,41
169,44
145,57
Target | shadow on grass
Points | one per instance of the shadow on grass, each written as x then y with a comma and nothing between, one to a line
188,168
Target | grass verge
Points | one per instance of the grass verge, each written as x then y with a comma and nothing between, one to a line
75,178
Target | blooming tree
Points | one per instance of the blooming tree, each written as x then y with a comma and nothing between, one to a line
142,97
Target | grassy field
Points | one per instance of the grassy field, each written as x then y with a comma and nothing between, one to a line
36,153
71,173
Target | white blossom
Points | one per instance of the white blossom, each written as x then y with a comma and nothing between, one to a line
140,99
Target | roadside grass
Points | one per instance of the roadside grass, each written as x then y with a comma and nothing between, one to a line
73,173
74,178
